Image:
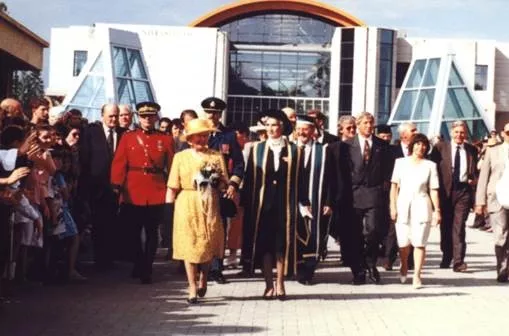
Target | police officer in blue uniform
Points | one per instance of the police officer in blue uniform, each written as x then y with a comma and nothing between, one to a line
226,143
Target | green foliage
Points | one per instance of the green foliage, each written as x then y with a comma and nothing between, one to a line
26,85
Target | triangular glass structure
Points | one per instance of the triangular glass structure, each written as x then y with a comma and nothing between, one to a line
434,95
116,74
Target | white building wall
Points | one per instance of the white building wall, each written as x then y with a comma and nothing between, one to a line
64,41
185,64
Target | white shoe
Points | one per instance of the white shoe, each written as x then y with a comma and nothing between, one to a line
416,283
402,278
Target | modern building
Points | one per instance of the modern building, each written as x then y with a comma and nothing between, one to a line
261,54
20,49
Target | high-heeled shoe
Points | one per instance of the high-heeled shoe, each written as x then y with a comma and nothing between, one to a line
268,294
403,275
416,283
281,296
201,291
192,300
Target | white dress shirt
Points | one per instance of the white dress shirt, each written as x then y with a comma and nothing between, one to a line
276,145
115,135
463,161
307,151
362,141
404,148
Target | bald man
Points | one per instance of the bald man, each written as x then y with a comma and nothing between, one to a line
12,107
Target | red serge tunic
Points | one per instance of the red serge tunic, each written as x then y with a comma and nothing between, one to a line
141,165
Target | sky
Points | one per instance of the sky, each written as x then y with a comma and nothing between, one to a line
471,19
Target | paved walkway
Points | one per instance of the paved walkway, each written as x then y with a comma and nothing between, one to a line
450,304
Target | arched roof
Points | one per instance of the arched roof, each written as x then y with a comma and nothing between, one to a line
244,8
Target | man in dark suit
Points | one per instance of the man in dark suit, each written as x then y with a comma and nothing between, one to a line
370,164
321,135
457,163
406,130
344,229
225,142
97,148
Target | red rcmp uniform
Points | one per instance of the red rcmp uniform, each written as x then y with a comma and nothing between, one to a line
140,167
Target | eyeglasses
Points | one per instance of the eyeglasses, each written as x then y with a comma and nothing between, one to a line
349,128
506,132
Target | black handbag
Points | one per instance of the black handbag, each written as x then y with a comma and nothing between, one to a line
227,207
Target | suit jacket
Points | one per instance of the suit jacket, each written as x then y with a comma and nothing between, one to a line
96,158
492,170
441,155
329,138
369,180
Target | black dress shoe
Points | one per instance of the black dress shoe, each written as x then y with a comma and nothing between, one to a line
193,300
460,268
201,291
220,279
373,275
445,263
502,277
146,280
304,282
359,279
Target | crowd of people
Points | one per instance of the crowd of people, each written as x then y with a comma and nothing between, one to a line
275,191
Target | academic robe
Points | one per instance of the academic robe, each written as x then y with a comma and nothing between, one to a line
270,200
312,233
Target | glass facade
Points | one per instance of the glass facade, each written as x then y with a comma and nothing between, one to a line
434,104
130,83
385,65
274,73
295,71
346,71
278,29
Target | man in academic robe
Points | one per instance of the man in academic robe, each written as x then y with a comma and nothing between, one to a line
315,212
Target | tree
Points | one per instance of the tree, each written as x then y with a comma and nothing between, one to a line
26,85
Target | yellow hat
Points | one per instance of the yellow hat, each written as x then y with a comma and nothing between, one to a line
197,126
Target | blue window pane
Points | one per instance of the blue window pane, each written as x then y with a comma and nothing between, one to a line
137,68
88,90
459,104
120,64
405,105
432,72
416,74
424,104
387,36
455,78
142,91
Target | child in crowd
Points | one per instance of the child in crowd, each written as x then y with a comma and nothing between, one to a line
65,227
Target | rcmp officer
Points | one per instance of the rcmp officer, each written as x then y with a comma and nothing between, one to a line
138,175
226,143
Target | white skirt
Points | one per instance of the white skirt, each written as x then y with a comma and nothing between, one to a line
413,233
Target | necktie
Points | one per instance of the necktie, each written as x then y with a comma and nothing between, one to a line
457,163
367,152
111,143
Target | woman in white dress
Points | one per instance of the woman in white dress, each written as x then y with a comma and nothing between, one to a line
414,204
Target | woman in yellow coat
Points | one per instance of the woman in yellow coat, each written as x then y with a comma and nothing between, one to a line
196,183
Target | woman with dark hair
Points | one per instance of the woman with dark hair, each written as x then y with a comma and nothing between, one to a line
414,204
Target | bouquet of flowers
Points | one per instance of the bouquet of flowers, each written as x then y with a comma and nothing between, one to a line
209,175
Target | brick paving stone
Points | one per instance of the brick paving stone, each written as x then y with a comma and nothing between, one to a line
469,303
